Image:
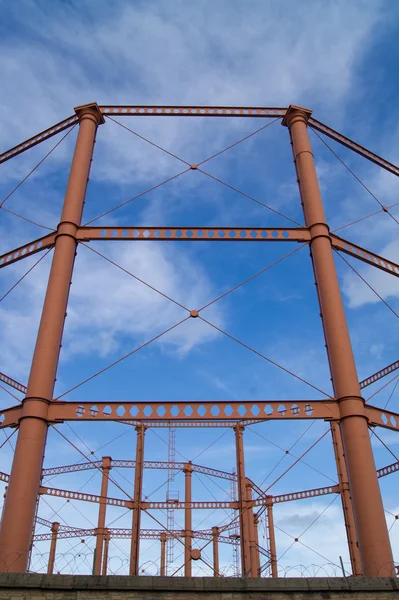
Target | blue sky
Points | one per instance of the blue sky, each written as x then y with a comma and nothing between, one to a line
338,59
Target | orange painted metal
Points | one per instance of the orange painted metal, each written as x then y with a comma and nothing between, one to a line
40,137
253,546
53,546
345,141
371,528
105,556
365,255
346,499
379,374
256,536
192,111
137,505
242,503
20,504
100,531
47,241
163,539
188,519
204,234
215,551
272,537
12,383
193,410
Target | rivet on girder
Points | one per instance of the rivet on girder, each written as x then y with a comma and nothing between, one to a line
193,167
194,313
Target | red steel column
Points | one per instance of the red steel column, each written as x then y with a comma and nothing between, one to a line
188,521
51,559
163,554
100,532
215,547
346,499
256,523
253,550
242,503
105,557
272,537
20,505
371,528
137,493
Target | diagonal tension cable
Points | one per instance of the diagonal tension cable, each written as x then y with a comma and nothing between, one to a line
36,166
269,360
147,343
377,212
384,208
11,212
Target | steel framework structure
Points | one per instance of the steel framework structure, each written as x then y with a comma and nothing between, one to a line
347,412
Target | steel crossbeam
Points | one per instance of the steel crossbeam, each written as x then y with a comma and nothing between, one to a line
47,241
12,383
379,374
365,255
204,234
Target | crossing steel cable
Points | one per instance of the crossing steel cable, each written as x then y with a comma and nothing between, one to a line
377,212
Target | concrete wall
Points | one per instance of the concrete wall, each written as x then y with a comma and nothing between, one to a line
68,587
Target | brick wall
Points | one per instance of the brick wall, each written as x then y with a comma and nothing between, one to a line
67,587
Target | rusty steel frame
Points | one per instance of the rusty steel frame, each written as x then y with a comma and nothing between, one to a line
347,413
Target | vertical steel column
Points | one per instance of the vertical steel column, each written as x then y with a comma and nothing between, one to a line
106,549
215,547
256,522
100,531
346,499
272,537
371,528
242,503
253,550
137,492
188,520
19,509
51,559
163,554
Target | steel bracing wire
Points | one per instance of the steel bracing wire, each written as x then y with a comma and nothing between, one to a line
24,275
383,208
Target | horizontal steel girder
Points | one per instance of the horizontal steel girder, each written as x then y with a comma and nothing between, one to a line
184,412
365,255
204,234
27,250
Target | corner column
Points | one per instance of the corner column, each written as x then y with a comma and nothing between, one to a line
51,559
163,554
20,505
107,538
215,548
188,520
372,533
137,493
100,531
346,499
272,537
242,503
253,549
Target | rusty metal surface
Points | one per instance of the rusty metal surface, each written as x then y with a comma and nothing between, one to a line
365,255
379,374
209,234
198,411
27,249
345,141
40,137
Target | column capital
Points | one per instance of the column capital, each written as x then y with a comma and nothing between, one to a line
91,109
106,462
295,111
188,468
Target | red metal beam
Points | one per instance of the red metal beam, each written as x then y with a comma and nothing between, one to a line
204,234
27,250
345,141
365,255
379,374
12,383
196,410
192,111
382,418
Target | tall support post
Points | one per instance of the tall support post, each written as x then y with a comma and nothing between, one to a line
188,520
242,503
215,548
107,537
346,499
19,509
137,492
272,537
371,529
163,554
257,556
51,559
253,549
100,531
